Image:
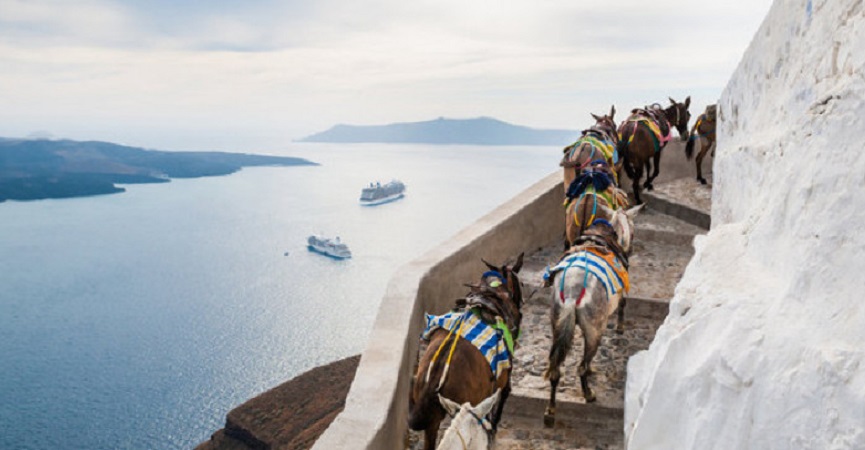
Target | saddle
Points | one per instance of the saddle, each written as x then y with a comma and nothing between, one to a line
593,238
488,305
655,113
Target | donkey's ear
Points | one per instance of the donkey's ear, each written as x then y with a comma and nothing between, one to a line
488,404
519,264
632,212
450,406
687,102
672,101
612,112
597,118
490,266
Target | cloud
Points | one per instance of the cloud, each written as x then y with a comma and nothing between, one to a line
296,67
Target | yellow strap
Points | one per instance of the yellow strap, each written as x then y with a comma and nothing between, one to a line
451,354
441,346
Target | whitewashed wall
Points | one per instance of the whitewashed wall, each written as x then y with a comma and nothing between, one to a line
764,347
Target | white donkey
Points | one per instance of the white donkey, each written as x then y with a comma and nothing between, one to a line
470,427
588,286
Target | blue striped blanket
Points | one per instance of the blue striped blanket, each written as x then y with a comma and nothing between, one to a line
482,335
607,269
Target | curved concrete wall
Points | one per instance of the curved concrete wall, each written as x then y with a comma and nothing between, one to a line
377,405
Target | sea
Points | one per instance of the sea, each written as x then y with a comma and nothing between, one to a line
138,320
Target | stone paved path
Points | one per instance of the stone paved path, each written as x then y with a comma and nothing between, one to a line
662,249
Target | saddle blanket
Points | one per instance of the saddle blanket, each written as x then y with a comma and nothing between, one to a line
605,147
487,339
700,121
603,266
653,127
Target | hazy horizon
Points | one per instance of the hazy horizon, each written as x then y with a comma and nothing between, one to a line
229,76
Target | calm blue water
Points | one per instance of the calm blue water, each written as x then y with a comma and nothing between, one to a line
138,320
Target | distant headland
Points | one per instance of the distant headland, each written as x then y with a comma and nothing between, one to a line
479,131
33,169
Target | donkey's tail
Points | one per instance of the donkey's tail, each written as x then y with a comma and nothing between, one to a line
689,147
563,337
622,150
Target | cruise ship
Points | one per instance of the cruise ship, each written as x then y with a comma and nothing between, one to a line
377,193
329,247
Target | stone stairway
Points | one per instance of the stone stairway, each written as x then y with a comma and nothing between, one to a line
676,211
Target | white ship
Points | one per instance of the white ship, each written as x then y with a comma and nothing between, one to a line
329,247
377,193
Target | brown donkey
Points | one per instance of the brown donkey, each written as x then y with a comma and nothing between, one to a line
470,350
598,142
704,131
588,286
592,195
644,134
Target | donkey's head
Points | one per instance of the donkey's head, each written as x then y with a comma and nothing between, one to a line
470,427
505,281
679,116
623,225
606,124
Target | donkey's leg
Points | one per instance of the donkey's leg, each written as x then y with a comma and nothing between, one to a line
648,181
431,434
555,375
638,173
657,161
620,324
591,341
699,161
497,416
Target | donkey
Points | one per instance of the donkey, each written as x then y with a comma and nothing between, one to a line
459,369
644,134
704,131
581,296
470,429
592,195
598,142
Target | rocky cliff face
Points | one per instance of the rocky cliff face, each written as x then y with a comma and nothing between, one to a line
290,416
763,344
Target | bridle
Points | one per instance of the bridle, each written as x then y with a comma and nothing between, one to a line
484,423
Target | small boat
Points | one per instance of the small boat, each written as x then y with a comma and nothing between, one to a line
377,193
334,248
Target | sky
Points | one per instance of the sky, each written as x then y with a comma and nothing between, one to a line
235,75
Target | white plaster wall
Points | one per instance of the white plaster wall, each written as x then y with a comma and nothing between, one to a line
764,347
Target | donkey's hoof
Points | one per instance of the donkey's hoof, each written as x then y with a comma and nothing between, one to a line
702,181
620,331
549,419
590,397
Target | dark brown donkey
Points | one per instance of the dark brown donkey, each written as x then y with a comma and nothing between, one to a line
703,131
644,134
598,142
453,366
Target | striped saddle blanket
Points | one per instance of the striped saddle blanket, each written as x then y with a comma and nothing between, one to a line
489,340
603,266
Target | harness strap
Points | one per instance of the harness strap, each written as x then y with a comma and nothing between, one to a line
438,351
450,355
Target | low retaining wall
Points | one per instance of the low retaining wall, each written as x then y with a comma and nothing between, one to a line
376,410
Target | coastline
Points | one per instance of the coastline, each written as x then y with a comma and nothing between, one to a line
290,416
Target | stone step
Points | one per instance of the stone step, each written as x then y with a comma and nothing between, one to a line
577,426
678,210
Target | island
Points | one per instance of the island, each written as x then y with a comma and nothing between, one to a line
478,131
33,169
